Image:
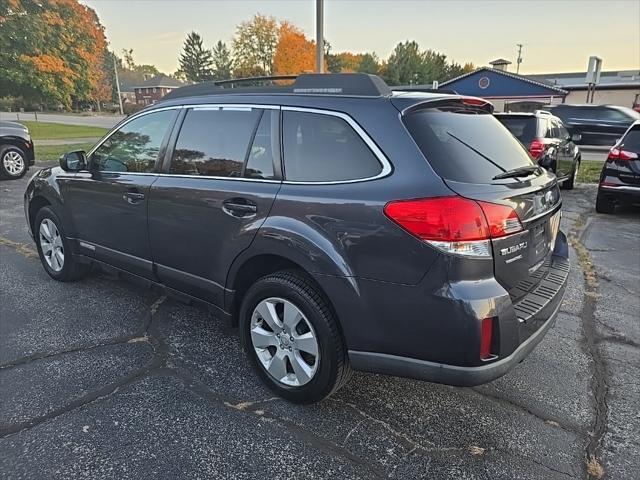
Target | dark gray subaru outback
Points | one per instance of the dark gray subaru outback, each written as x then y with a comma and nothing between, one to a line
341,225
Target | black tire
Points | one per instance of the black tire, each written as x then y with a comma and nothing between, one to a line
604,204
71,269
333,370
569,183
11,150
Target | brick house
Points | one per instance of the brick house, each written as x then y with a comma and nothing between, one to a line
153,89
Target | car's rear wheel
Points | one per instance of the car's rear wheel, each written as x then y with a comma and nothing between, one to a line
604,203
569,183
291,336
13,162
54,249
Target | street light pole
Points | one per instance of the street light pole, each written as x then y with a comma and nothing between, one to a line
319,36
115,69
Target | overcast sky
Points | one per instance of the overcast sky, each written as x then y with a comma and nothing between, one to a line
558,35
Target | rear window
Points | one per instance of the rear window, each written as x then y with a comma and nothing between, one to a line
466,146
631,141
523,128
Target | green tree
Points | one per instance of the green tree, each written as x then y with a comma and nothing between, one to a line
51,51
196,61
222,61
406,65
254,45
369,64
128,58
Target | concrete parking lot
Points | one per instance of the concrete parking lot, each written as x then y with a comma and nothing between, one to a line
107,379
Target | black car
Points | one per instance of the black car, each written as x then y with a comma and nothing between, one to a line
16,150
596,124
620,176
341,225
548,142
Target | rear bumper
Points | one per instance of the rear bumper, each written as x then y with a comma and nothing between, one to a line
522,326
450,374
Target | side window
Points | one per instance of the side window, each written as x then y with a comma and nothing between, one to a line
263,152
135,146
214,142
611,115
320,148
562,131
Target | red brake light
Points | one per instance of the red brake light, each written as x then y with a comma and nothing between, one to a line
502,219
618,154
453,219
486,333
474,101
536,148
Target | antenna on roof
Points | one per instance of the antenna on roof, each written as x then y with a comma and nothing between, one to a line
519,61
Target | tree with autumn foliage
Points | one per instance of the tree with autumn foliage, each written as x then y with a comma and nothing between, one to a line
254,46
294,52
52,51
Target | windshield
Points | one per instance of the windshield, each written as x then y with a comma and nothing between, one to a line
523,128
466,145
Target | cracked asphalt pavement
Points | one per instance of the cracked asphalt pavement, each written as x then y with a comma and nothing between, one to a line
105,378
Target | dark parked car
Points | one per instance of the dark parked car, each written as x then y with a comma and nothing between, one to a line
16,150
596,124
620,177
341,225
548,142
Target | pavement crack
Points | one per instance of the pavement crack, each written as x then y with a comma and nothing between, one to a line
599,387
248,408
554,421
93,396
82,348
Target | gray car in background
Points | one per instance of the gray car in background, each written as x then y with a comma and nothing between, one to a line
341,225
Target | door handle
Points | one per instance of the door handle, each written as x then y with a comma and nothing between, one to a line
133,197
239,207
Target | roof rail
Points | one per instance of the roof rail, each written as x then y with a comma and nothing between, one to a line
542,112
343,84
423,90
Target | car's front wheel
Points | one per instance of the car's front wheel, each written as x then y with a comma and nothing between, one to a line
54,249
570,182
13,164
292,337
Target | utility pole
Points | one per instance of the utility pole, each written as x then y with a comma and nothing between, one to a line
115,69
519,61
319,36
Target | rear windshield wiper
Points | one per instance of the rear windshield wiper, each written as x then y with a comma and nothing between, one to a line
517,172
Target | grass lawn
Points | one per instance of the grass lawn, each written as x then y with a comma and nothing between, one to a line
43,130
589,171
47,153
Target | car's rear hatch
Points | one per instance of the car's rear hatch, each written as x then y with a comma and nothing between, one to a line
468,148
625,155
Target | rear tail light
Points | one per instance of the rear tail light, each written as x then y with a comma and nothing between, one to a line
455,224
486,337
618,154
536,148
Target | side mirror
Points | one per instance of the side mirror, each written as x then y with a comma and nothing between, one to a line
576,137
74,161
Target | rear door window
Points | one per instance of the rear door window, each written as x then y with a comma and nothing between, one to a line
215,142
324,148
523,128
631,141
465,145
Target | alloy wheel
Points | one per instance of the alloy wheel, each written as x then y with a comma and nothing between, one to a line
51,245
284,341
13,163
